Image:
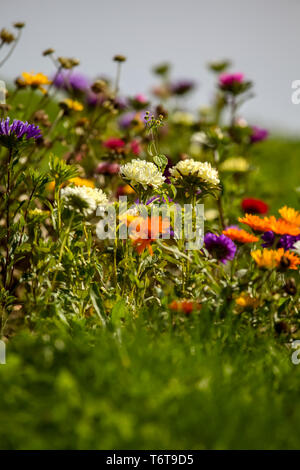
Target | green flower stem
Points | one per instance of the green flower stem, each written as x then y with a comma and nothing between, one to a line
7,208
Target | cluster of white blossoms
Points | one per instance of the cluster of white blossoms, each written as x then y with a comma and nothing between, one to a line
142,172
83,198
191,168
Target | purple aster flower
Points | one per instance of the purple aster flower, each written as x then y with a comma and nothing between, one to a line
166,172
94,100
286,241
268,237
220,247
126,120
258,134
74,80
181,87
12,133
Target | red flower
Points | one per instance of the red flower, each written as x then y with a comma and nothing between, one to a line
113,143
254,206
135,147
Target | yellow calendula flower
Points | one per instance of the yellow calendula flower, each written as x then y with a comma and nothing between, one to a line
290,215
246,301
73,104
82,182
270,259
35,80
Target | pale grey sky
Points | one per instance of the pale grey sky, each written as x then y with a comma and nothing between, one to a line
260,36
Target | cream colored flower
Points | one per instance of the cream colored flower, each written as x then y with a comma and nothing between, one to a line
199,170
142,172
183,118
235,164
83,198
211,214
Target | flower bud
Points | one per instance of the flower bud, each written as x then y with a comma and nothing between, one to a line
290,286
6,36
119,58
19,25
48,51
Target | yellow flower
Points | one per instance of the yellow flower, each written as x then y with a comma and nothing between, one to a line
290,215
270,259
235,164
82,182
72,104
245,300
76,181
35,80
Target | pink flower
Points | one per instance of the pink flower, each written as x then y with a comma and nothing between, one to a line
114,143
228,79
106,168
102,168
258,134
113,168
135,147
141,98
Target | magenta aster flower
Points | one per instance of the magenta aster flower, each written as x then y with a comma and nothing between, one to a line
114,143
258,134
220,247
17,131
229,79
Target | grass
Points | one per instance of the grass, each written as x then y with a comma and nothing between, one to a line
196,386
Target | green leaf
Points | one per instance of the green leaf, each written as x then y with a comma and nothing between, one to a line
161,161
97,304
118,312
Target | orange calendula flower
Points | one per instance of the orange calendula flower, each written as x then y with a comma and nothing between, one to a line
278,226
270,259
143,231
240,235
246,301
35,80
290,215
185,306
282,227
255,222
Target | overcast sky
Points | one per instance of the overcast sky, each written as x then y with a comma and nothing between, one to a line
261,37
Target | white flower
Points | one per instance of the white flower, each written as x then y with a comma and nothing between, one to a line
296,248
191,168
143,173
199,138
83,198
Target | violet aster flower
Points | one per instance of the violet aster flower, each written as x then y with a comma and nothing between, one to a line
166,172
75,80
220,247
258,134
17,131
285,241
181,87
